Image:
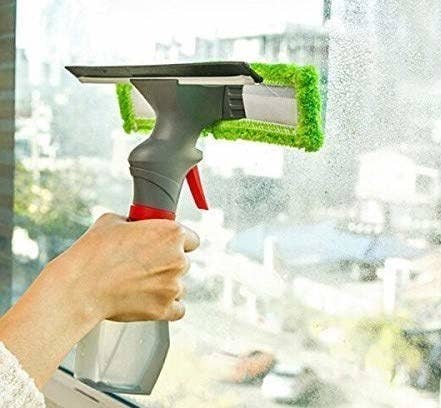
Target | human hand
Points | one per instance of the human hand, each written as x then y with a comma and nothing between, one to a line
118,270
128,271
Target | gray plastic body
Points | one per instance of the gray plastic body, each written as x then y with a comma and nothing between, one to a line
122,357
160,163
128,357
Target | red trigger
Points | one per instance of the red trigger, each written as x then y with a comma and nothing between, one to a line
195,184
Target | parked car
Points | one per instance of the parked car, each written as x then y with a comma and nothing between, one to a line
246,368
253,367
290,384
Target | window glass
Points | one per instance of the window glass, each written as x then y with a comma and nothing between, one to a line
317,280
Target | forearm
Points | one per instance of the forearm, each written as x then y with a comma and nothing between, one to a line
45,324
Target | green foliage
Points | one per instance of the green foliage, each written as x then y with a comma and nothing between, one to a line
383,345
308,134
53,205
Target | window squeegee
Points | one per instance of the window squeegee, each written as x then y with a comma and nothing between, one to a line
271,103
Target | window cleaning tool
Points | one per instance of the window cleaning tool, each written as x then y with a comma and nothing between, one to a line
271,103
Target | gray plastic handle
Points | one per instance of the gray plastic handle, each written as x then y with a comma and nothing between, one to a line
160,164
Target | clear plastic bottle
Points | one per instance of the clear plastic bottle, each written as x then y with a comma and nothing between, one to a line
123,357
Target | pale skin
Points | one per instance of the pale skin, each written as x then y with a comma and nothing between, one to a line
117,270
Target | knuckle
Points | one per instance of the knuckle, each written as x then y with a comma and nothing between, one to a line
181,263
168,293
173,290
169,232
162,313
177,230
180,290
170,311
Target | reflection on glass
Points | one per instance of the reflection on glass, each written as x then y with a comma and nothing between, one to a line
317,281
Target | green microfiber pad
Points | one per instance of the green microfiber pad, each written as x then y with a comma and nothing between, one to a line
307,134
130,122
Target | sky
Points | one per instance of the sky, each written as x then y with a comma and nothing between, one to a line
129,26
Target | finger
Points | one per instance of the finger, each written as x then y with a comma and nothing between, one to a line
181,291
191,240
186,267
175,312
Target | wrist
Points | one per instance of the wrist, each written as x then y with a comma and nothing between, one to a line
63,287
47,321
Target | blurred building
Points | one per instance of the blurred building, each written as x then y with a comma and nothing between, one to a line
243,287
399,190
328,267
422,295
294,43
34,143
23,91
